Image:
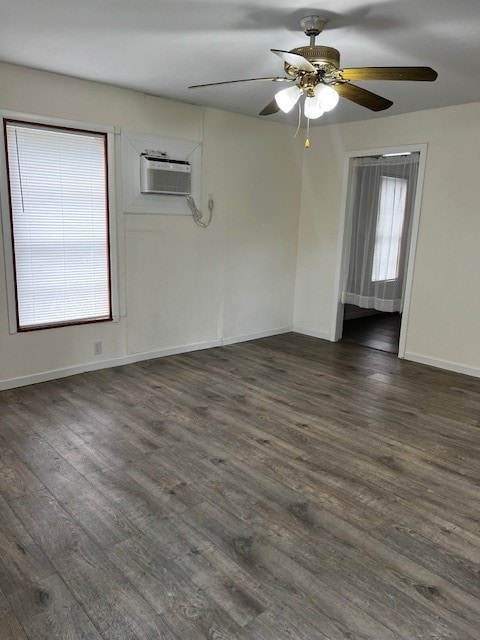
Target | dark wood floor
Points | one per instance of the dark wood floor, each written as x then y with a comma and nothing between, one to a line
288,488
380,331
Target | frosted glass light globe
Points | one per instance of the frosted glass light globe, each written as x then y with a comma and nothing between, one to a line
288,98
312,108
326,96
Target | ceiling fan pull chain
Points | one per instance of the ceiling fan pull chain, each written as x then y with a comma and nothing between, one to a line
307,140
299,120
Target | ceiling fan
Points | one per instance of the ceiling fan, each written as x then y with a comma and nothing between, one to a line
316,74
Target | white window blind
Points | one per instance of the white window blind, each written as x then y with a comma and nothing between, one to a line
388,237
59,210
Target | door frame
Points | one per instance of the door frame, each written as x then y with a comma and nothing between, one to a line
343,248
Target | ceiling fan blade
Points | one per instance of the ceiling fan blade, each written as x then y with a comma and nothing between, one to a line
214,84
293,59
272,107
424,74
361,96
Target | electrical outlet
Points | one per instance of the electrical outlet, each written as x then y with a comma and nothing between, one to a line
97,348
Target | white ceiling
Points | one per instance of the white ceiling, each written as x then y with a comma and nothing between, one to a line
162,46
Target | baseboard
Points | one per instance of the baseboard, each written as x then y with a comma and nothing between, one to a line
256,336
54,374
323,335
443,364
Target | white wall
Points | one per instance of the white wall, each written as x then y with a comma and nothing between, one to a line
180,285
444,322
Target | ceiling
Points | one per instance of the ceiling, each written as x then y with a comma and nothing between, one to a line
162,46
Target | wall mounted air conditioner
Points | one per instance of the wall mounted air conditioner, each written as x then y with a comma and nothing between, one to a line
162,175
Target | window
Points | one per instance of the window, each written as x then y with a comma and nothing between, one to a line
388,237
59,220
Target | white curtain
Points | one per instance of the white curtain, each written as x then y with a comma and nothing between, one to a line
380,204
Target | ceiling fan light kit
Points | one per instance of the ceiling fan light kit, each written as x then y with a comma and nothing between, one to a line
317,75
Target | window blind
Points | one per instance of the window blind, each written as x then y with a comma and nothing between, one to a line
388,237
59,210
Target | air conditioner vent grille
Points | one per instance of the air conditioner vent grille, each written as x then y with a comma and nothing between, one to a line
164,176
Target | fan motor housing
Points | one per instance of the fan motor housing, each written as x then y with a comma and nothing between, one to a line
323,57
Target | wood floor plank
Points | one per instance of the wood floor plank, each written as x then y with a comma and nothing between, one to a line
261,511
21,559
287,488
11,526
47,611
60,536
430,471
210,570
184,606
20,565
249,547
15,478
131,498
281,623
113,605
80,498
4,604
10,627
44,422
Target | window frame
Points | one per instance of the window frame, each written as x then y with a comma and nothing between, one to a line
7,219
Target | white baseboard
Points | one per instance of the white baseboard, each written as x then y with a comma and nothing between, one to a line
54,374
256,336
323,335
443,364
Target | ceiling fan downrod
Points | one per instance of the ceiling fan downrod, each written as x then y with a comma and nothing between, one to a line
312,26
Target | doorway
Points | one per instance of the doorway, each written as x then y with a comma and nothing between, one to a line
376,330
380,215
